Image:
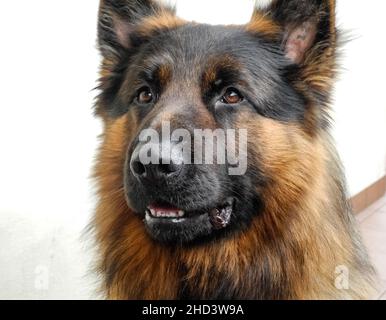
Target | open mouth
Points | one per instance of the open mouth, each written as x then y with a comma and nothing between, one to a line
161,212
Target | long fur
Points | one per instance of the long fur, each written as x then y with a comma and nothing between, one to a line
292,248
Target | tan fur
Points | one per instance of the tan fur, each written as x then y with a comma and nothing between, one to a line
301,215
262,24
162,21
303,234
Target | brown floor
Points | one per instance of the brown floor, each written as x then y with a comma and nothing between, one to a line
373,226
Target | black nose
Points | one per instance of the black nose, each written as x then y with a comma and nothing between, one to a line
166,167
154,171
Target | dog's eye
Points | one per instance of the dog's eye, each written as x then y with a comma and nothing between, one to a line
232,96
145,96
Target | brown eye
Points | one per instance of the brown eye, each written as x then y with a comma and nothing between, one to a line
145,96
232,96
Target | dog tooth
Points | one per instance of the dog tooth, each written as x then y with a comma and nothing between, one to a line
166,214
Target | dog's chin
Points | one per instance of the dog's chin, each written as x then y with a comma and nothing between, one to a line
171,225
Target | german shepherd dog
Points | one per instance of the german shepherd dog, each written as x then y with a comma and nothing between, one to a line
171,230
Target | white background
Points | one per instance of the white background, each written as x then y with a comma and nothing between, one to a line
48,136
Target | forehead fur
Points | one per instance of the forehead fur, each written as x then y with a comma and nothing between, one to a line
192,42
160,22
194,55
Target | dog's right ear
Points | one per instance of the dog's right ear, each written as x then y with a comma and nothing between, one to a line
119,19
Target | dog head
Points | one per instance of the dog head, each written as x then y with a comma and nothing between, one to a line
172,91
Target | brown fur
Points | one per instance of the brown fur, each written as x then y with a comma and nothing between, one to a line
163,21
304,193
260,23
305,210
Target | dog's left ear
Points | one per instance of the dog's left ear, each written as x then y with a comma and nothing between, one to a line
306,27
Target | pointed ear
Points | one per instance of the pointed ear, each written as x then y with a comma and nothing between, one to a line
307,26
118,19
